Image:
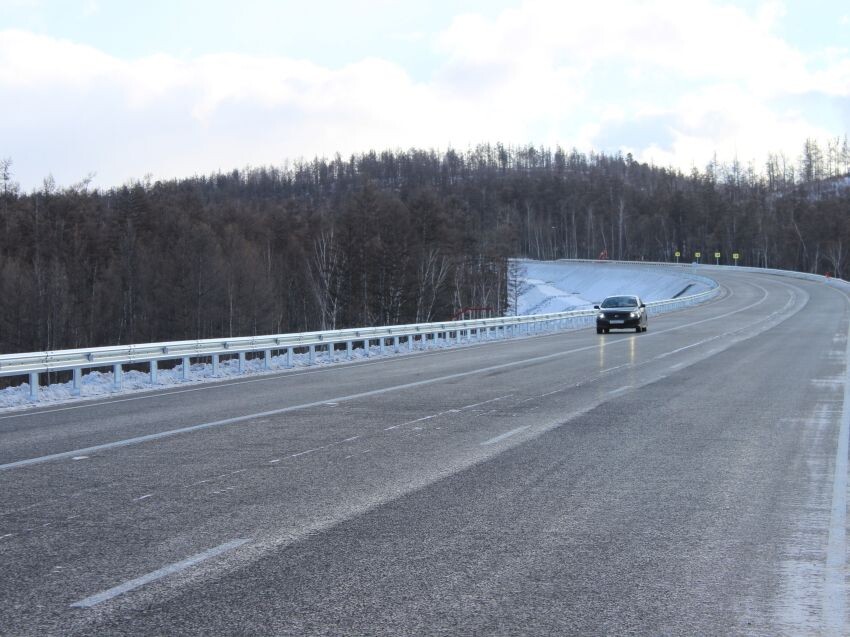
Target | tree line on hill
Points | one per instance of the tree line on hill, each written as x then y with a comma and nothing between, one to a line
382,238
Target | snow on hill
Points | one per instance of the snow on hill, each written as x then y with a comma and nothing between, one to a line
559,286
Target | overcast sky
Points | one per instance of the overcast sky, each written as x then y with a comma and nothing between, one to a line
170,88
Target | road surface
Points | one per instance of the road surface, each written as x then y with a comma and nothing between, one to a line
689,480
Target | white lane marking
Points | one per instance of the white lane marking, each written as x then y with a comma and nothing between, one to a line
505,435
79,458
835,584
374,392
182,565
350,439
3,537
447,411
233,473
143,497
275,461
304,453
485,402
677,366
619,390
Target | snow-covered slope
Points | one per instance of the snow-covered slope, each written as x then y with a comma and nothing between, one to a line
559,286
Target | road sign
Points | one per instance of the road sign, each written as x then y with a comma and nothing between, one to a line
697,254
716,255
736,256
678,254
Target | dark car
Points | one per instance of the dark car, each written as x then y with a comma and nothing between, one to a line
621,313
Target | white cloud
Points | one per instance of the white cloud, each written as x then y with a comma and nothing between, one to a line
672,81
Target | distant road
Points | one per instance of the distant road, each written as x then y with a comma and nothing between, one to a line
689,480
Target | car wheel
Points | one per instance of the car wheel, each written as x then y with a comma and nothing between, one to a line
599,330
638,329
645,327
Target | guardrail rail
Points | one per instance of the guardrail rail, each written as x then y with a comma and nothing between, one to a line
411,337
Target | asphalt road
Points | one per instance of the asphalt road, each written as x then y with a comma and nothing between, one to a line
689,480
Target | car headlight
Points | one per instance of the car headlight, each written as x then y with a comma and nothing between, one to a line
601,315
633,314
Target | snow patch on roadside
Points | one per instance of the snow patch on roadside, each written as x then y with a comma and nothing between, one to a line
561,286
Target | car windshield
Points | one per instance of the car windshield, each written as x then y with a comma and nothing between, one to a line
620,301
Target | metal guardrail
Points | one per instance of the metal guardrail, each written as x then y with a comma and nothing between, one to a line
414,336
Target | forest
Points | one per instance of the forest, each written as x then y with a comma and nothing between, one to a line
383,237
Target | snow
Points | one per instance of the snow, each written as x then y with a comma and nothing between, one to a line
551,286
96,384
560,286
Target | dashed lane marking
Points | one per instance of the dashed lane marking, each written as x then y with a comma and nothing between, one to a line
165,571
505,435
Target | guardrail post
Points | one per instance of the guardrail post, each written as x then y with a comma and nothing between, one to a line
395,344
187,368
33,397
410,342
366,347
76,381
117,376
215,364
348,349
267,359
457,336
154,369
311,354
241,362
383,346
289,357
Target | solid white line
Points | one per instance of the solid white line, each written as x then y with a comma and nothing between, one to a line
143,497
375,392
304,453
835,586
182,565
507,434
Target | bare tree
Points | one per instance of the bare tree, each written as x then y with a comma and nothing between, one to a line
326,276
431,274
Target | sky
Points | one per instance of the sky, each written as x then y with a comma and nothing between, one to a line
126,91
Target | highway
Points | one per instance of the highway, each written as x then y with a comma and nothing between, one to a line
688,480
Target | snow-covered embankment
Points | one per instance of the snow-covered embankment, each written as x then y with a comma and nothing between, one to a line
561,286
